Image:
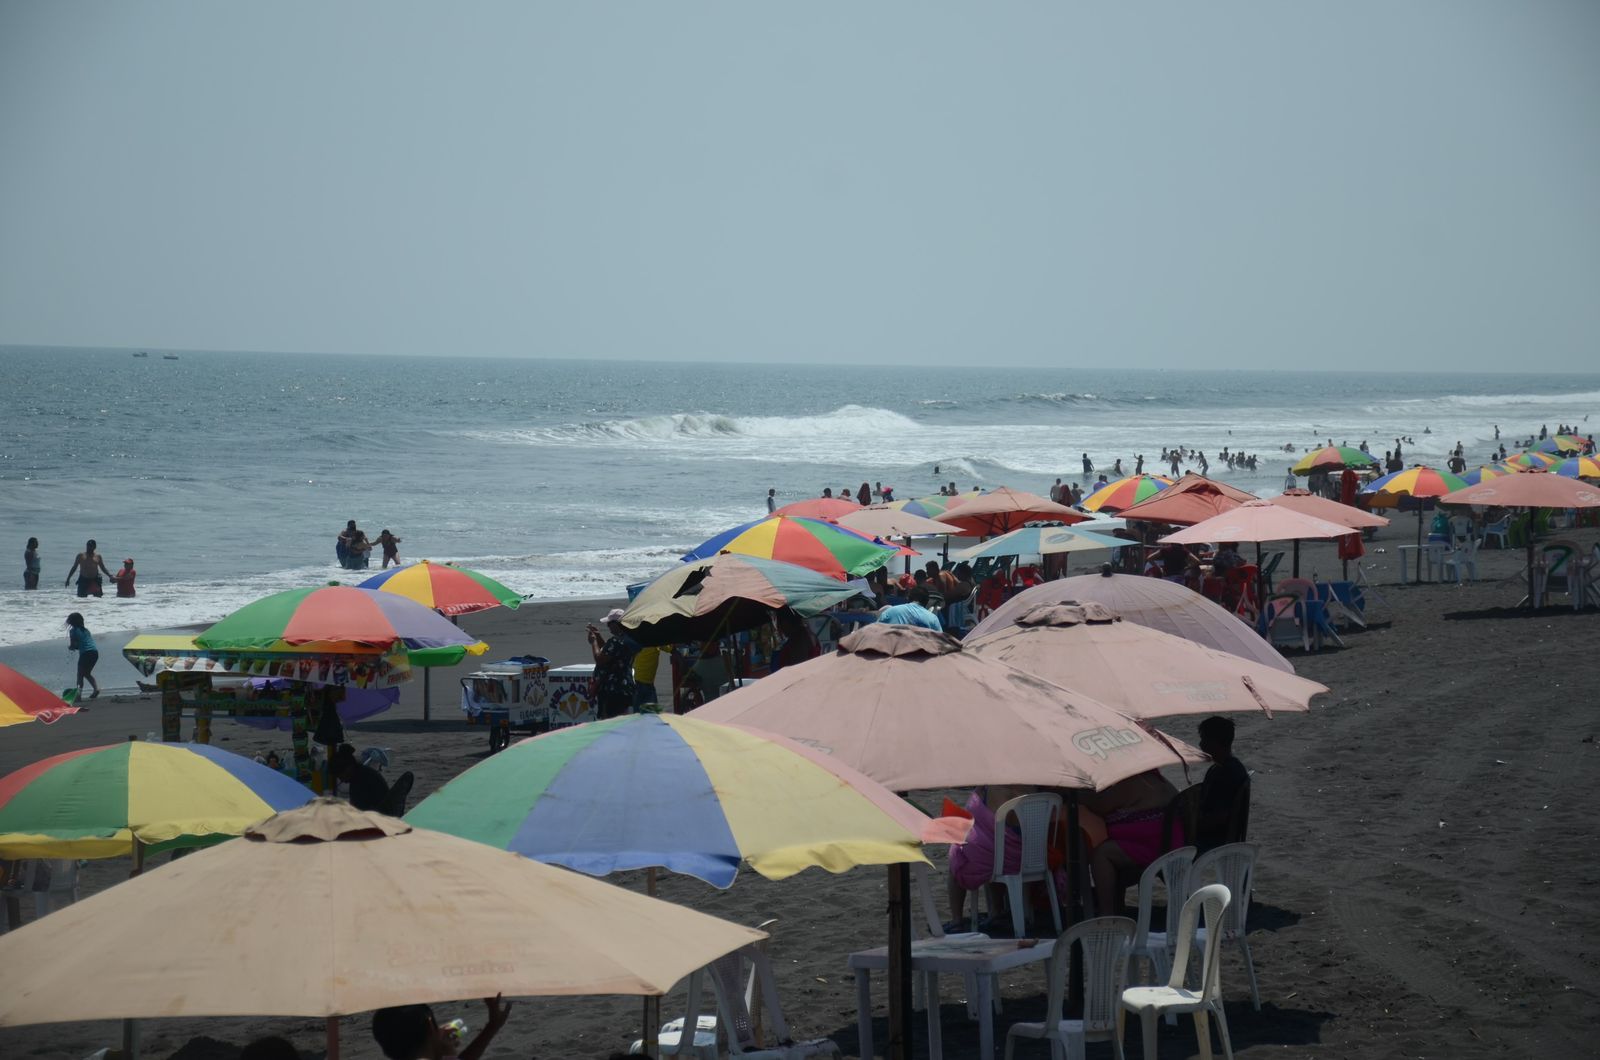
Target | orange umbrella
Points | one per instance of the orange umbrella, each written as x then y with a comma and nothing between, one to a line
23,700
1004,509
1163,605
1188,500
1529,490
1141,671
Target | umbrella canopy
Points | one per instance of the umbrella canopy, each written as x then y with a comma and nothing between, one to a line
1330,511
1418,481
381,913
726,594
1334,458
1041,541
1004,509
1562,444
1528,491
1163,605
826,547
335,618
1141,671
931,507
680,793
885,521
1531,459
445,588
1125,493
23,700
1258,521
911,709
1486,472
819,508
1188,500
1578,467
96,802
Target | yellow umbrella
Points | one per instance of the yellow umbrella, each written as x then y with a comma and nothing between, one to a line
23,700
382,914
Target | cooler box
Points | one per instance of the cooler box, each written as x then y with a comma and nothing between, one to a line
572,695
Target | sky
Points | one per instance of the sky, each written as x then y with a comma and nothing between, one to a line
1351,184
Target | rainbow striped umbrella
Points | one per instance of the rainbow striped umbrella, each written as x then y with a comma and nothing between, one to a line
23,700
446,588
695,797
1487,472
938,504
827,547
98,801
1578,467
1334,458
1124,493
1563,444
1531,458
1419,481
336,618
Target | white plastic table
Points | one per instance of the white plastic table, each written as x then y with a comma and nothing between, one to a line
959,956
1429,555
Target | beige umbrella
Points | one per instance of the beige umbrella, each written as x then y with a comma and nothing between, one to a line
880,520
379,913
912,709
1322,508
1163,605
1259,521
1141,671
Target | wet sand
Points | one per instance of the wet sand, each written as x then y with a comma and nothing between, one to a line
1426,887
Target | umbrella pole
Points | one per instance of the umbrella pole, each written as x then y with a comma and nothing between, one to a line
900,963
427,696
1528,537
1419,541
130,1028
1297,557
332,1029
652,1002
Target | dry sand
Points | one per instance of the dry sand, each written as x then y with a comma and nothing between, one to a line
1427,884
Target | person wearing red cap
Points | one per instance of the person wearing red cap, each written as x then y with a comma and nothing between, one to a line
124,578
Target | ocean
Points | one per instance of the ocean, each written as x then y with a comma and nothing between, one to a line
227,476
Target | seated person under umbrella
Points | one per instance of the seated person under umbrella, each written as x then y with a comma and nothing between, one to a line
368,789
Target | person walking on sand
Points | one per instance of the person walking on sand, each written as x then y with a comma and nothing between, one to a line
79,640
30,564
124,579
88,567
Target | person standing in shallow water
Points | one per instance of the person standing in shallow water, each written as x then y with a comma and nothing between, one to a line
88,567
30,564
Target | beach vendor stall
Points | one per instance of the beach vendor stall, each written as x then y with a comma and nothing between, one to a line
203,684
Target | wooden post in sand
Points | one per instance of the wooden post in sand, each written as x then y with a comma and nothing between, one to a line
652,1002
331,1028
130,1028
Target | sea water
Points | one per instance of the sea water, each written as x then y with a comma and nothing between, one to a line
227,476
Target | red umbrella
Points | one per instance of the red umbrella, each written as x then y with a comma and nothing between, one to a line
1189,500
1004,509
23,700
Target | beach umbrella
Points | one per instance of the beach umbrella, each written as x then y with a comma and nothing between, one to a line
936,505
1422,484
1188,500
683,794
105,802
1142,672
336,618
1334,458
886,521
1003,509
826,547
1259,521
24,700
1322,508
447,589
1531,460
819,508
1562,444
728,593
1042,541
1577,467
444,587
1153,602
1528,491
910,708
1124,493
326,911
1487,472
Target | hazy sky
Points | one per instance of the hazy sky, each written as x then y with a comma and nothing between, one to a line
1395,183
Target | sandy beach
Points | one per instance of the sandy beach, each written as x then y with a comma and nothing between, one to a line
1425,887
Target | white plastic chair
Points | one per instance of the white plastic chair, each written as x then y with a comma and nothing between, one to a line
729,979
1035,814
1151,1002
669,1040
1463,559
1233,865
1558,563
1105,964
1500,531
930,914
1174,869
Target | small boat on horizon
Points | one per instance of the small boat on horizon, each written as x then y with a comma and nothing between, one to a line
169,357
142,353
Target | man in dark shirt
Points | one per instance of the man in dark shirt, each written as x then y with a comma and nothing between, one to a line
613,666
1219,791
368,789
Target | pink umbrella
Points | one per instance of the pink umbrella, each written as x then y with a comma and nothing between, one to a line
1188,500
1140,671
1322,508
1166,606
1258,521
1529,490
1004,509
819,508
